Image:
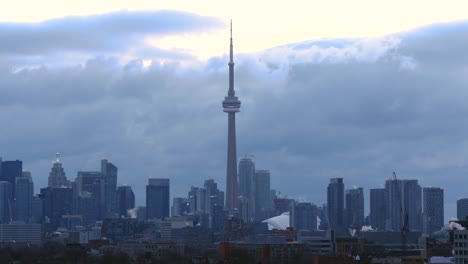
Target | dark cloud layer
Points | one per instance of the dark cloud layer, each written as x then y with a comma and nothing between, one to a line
357,109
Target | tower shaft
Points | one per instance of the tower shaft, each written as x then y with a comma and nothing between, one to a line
231,105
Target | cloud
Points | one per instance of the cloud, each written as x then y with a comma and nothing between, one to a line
117,31
357,109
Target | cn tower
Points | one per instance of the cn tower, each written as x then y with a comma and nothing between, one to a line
231,105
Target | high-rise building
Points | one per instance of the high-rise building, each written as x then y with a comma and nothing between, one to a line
231,105
24,197
377,209
413,204
393,205
335,203
462,209
246,180
125,200
403,197
10,171
213,195
157,199
433,209
109,174
355,208
57,202
180,206
303,216
262,194
89,195
6,204
57,177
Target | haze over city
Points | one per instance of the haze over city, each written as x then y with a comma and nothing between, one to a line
355,90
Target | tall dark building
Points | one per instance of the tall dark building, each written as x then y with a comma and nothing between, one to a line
231,105
403,196
89,195
57,176
109,174
377,209
125,200
335,203
56,203
10,171
355,208
303,216
246,181
157,199
413,204
6,205
24,197
262,196
433,209
462,209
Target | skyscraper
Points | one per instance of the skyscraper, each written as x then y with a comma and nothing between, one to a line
24,197
377,209
10,171
413,204
231,105
433,209
303,216
57,176
462,209
125,200
109,174
5,203
157,199
393,205
262,196
57,202
403,197
355,207
335,203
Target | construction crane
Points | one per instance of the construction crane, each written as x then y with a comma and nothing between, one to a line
404,215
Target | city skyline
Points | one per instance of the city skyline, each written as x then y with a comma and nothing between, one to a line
143,117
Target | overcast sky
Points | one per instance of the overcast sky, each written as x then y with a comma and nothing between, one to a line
327,91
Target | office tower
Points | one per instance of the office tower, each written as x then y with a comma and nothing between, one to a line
89,195
180,206
6,203
109,174
355,208
24,197
125,200
157,199
413,204
57,176
201,199
262,194
335,203
303,216
244,209
377,209
213,195
57,202
10,171
403,196
433,209
217,218
462,209
193,199
246,181
231,105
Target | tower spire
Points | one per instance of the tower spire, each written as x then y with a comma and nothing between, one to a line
231,91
